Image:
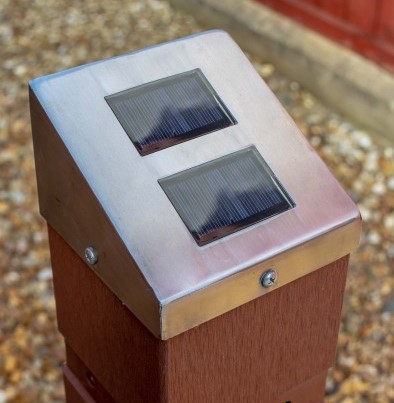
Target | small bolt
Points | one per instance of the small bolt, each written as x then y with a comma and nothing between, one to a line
269,278
91,379
91,255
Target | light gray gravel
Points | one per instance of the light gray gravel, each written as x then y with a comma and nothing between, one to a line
44,36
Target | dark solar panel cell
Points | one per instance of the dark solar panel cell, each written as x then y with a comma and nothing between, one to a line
168,111
222,196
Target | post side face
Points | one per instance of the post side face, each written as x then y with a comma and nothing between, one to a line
118,350
126,184
262,350
270,350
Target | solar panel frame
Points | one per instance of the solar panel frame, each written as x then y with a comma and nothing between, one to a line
168,111
238,190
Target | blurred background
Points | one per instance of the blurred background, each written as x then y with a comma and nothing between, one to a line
39,37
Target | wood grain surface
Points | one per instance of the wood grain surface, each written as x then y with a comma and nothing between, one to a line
75,391
269,350
363,25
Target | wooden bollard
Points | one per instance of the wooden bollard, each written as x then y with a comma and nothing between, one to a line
199,245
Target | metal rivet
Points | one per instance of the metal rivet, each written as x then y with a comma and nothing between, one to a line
91,379
91,255
269,278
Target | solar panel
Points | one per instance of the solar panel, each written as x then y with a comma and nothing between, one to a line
225,195
168,111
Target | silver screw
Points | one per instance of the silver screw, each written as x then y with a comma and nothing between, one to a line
269,278
91,255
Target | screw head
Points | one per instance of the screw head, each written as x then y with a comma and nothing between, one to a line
269,278
91,255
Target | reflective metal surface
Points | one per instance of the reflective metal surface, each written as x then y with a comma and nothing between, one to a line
71,208
154,265
91,255
269,278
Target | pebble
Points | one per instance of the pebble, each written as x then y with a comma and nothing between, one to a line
359,187
368,372
365,213
390,252
10,363
379,188
266,70
52,36
388,152
371,164
11,277
390,183
389,221
389,306
354,385
346,361
45,274
386,317
4,207
374,238
315,141
294,86
363,139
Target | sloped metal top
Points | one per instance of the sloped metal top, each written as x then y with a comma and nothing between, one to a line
191,283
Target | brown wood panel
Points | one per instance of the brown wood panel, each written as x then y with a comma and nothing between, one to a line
260,352
386,21
334,7
316,17
366,26
124,356
75,392
310,391
87,383
262,348
362,14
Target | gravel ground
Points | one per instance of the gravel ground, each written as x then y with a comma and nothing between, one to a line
44,36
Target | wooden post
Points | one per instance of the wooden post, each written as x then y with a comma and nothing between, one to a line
276,348
227,288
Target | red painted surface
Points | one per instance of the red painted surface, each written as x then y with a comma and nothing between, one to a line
366,26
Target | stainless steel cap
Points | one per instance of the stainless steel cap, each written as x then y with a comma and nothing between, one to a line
96,189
